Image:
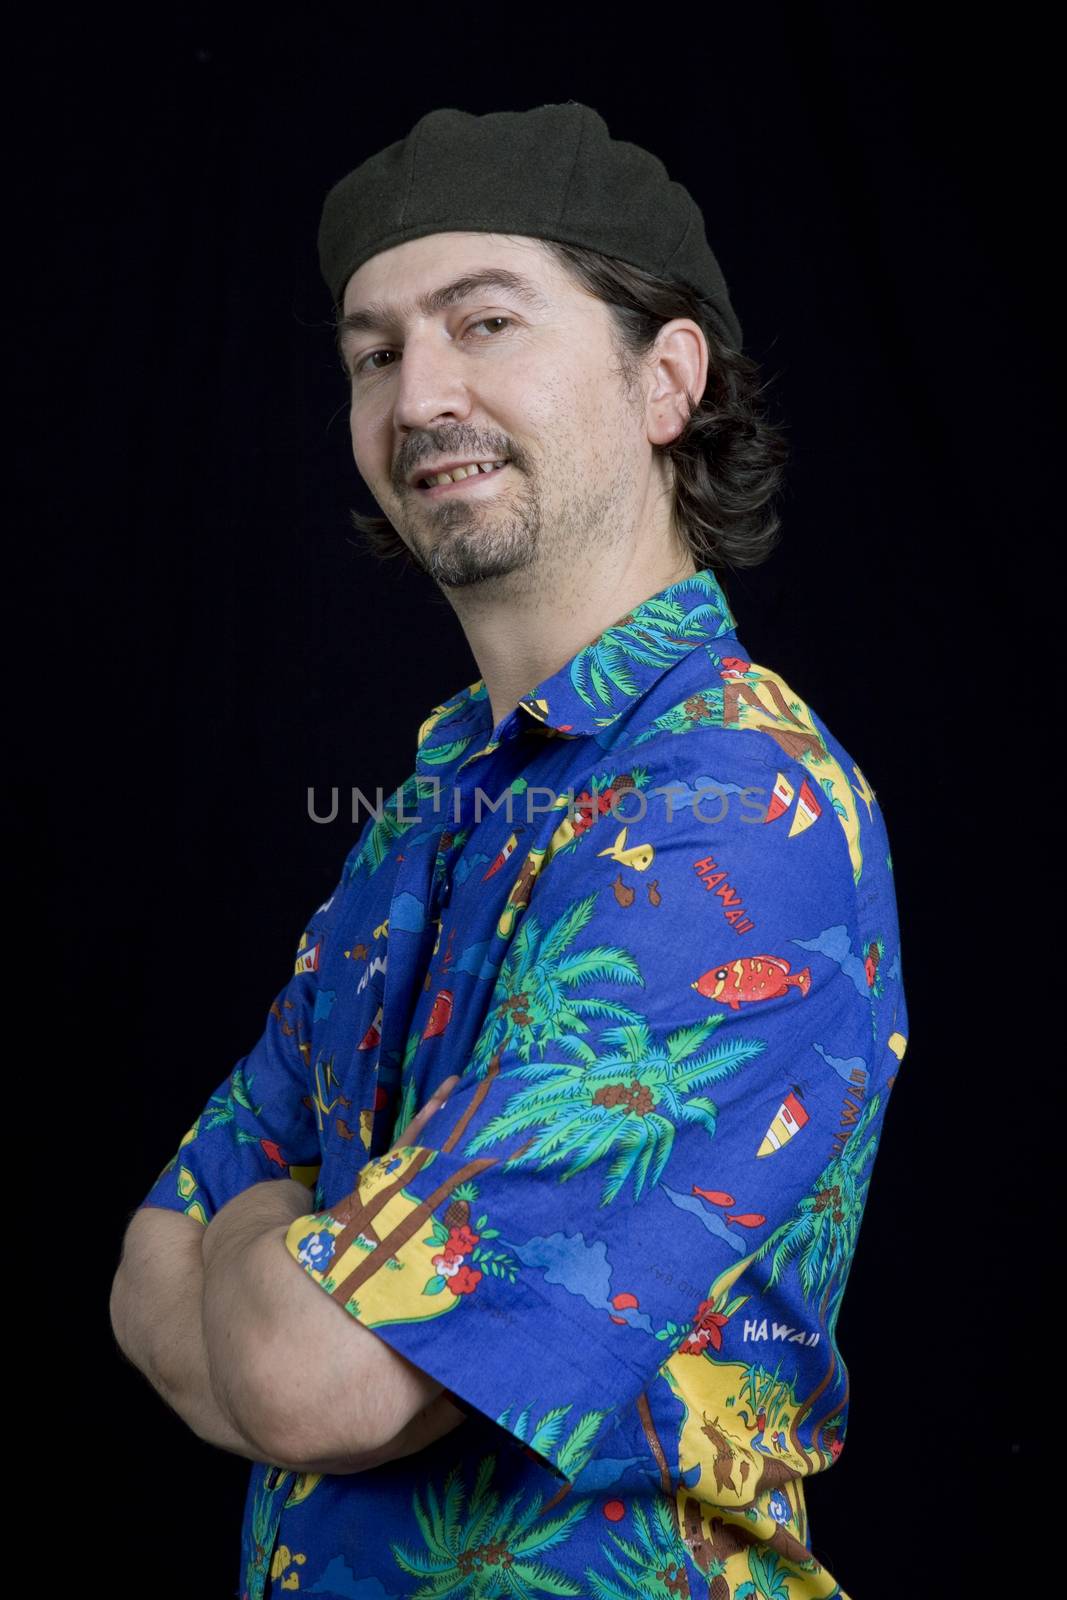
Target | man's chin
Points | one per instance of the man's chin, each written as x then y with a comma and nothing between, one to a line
449,573
459,557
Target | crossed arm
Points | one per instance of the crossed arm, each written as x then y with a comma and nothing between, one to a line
253,1355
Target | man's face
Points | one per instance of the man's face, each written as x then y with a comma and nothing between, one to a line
533,379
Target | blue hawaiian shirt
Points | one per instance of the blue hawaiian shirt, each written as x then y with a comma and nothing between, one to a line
650,919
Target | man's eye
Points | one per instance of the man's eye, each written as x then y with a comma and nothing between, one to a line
361,364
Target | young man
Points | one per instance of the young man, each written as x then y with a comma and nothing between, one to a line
627,936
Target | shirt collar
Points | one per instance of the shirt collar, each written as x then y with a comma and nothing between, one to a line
593,689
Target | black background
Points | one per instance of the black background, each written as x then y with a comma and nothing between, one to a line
213,641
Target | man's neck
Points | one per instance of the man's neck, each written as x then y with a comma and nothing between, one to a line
527,626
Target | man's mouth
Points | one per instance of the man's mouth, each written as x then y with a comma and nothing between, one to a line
474,477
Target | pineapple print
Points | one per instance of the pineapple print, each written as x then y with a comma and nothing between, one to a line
718,1588
458,1212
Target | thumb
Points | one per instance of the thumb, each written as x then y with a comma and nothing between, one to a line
421,1117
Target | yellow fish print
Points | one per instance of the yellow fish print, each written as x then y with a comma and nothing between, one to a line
638,856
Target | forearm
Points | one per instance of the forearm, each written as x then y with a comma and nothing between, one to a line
263,1326
156,1319
287,1366
234,1314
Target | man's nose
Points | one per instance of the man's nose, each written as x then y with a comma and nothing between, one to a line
430,382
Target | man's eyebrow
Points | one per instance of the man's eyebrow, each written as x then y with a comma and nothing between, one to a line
379,316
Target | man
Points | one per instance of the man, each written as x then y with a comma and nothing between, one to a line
587,1055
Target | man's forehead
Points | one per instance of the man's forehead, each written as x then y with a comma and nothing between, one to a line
404,273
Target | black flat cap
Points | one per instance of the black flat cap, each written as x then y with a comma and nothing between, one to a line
553,172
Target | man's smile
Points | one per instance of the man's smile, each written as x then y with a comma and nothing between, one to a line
476,483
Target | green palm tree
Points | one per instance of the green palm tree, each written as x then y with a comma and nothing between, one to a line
537,984
267,1505
655,633
587,1112
763,1390
396,819
221,1109
820,1237
695,711
570,1456
654,1568
769,1580
546,1010
491,1551
821,1234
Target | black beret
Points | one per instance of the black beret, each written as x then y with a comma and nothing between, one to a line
553,172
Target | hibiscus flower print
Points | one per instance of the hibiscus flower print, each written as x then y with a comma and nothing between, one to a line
465,1280
707,1329
463,1258
462,1239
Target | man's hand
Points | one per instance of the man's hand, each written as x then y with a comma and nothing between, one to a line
409,1135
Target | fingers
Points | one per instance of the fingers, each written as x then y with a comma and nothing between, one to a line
435,1102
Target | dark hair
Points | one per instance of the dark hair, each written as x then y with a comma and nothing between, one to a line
728,460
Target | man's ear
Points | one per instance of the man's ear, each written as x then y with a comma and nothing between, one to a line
677,377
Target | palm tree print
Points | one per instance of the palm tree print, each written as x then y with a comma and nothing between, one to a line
537,985
653,1567
654,634
768,1401
266,1511
820,1237
399,815
625,1104
570,1456
490,1551
769,1580
221,1112
690,713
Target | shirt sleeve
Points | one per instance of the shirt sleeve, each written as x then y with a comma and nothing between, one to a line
261,1121
666,1128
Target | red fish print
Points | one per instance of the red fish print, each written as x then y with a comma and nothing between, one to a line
719,1197
440,1015
273,1153
750,978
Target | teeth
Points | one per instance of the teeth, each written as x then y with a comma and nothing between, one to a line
460,473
